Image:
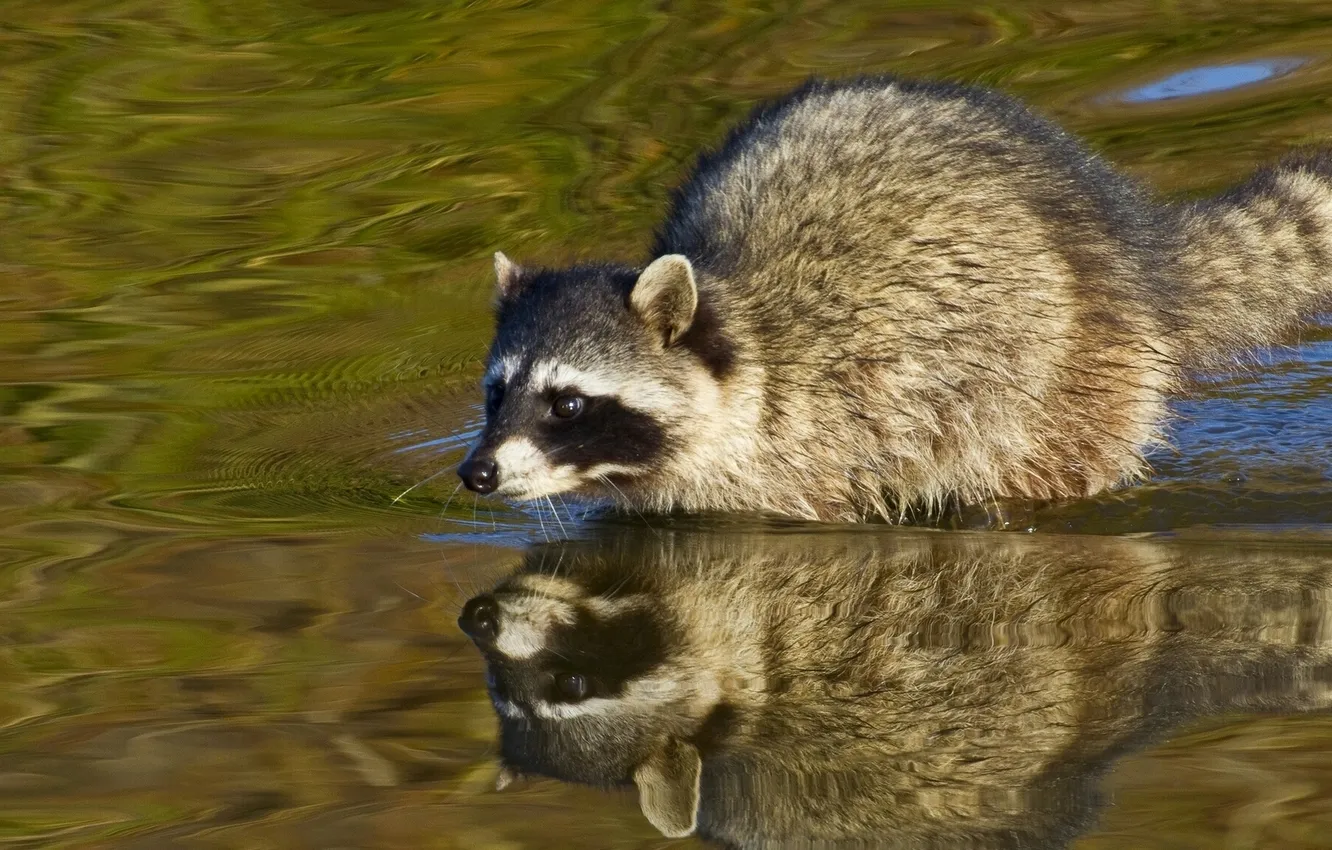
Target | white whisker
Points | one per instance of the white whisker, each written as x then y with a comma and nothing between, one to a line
452,496
567,512
540,521
625,498
425,480
417,595
564,532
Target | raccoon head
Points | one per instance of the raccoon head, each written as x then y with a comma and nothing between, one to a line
596,377
592,689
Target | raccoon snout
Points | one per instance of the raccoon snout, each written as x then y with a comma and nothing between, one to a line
480,474
480,618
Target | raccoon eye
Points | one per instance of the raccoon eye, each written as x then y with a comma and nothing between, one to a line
571,687
568,406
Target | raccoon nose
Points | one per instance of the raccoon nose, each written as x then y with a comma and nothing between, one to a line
480,618
480,474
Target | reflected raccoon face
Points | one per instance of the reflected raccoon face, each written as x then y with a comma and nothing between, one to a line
580,682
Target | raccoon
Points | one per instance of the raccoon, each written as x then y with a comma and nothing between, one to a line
881,296
913,691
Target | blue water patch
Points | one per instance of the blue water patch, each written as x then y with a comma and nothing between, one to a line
1210,79
1270,425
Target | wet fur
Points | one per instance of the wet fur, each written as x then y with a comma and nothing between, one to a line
912,294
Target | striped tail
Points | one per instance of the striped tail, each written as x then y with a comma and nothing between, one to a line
1256,262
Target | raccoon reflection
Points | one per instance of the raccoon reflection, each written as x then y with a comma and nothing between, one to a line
895,691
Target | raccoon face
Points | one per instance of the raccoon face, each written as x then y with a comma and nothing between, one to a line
586,692
593,374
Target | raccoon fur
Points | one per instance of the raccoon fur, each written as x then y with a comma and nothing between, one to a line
880,296
913,691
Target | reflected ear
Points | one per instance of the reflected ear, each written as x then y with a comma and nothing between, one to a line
668,788
508,276
507,776
665,296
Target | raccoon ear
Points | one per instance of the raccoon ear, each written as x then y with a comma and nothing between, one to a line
508,276
668,788
665,296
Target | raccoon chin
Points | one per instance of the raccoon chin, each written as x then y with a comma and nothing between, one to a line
595,490
587,497
545,487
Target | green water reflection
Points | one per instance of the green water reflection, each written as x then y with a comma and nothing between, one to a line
243,289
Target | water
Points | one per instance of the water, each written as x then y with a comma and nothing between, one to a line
244,274
919,690
1209,79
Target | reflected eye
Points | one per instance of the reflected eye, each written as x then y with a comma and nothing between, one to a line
494,398
571,687
568,406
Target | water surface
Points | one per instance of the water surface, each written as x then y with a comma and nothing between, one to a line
244,275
